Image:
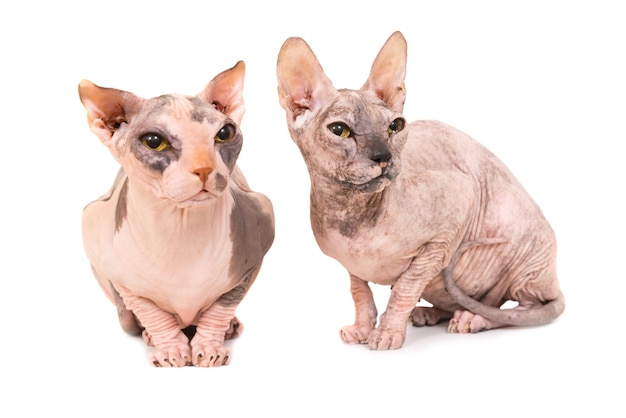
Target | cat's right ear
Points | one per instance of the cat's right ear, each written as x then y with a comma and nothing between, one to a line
107,108
303,87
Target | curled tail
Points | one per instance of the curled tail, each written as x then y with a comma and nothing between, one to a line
534,316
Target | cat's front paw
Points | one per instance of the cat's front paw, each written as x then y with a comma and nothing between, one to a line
386,339
355,334
210,354
176,354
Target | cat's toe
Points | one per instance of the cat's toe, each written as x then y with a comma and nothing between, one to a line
355,334
426,316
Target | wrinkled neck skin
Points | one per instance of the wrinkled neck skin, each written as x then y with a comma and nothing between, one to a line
336,207
160,223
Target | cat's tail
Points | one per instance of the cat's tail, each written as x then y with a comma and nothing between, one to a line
536,315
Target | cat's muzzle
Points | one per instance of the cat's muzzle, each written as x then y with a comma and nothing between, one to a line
377,184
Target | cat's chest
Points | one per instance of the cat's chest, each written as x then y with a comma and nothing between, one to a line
195,257
370,254
162,251
182,274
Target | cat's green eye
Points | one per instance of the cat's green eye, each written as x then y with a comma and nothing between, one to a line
396,126
340,129
155,142
225,134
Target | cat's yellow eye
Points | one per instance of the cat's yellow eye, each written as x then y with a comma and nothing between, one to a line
396,126
155,142
340,129
225,134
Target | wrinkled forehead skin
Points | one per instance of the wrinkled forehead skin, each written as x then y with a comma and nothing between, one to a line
161,111
362,111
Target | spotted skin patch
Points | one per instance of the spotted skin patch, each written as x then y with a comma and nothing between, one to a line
252,234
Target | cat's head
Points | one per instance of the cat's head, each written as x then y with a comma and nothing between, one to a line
352,137
182,148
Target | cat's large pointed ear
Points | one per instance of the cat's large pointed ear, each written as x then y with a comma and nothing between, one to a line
303,87
225,92
107,108
388,72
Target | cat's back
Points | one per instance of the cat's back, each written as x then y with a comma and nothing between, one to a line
456,162
435,145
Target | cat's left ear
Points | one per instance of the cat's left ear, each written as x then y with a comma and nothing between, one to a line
107,108
225,92
388,71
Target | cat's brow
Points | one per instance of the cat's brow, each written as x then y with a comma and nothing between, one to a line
351,106
181,107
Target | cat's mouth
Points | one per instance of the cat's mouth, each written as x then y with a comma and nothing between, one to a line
374,185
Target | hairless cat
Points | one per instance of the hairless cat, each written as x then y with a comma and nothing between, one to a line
180,238
420,206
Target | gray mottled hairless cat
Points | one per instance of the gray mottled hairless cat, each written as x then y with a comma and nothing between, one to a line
419,206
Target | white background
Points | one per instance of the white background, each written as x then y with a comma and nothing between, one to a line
540,83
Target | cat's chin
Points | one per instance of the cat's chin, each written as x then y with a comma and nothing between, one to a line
200,199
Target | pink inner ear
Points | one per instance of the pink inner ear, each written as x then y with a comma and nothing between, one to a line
302,83
107,108
109,105
388,72
225,92
299,98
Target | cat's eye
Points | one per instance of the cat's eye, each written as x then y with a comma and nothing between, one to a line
225,134
396,126
340,129
154,142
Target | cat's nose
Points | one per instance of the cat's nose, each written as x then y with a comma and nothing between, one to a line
203,173
380,153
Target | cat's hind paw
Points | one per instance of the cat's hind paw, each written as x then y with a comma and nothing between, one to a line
466,322
427,316
234,330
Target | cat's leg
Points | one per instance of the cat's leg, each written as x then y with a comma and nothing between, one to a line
405,293
424,315
207,346
128,320
234,331
162,330
365,313
219,323
535,290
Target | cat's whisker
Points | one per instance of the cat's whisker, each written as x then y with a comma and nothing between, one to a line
156,204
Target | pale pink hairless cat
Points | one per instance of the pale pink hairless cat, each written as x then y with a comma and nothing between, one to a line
419,206
180,238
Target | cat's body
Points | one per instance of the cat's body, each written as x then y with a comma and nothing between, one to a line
180,237
414,206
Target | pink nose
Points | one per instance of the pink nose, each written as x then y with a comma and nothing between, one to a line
203,173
